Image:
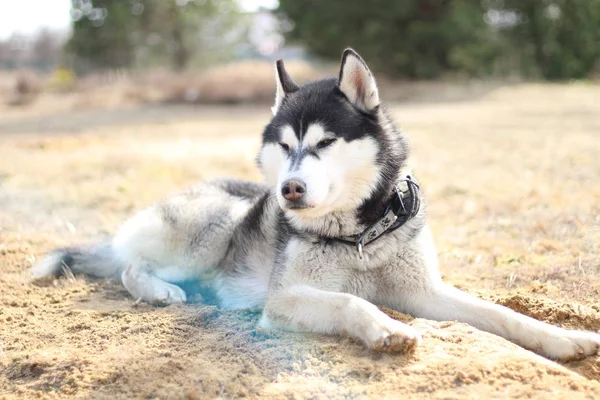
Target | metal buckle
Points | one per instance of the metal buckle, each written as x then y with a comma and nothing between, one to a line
411,187
359,247
400,196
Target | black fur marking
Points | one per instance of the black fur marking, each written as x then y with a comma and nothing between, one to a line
246,235
284,233
254,216
320,102
242,189
391,158
287,83
71,257
67,259
212,228
298,156
313,153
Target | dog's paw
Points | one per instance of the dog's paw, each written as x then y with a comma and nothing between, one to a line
169,294
150,289
569,345
396,337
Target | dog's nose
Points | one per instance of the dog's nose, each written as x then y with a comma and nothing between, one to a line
293,189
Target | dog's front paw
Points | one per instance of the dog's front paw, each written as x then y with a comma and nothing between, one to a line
395,337
569,345
146,287
167,295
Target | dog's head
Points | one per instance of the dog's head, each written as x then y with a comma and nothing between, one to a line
330,146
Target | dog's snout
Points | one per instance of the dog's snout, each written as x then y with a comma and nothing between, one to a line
293,189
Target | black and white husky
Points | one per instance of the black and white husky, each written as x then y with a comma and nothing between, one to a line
337,228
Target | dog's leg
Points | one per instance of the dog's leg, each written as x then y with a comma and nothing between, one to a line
141,284
446,303
304,308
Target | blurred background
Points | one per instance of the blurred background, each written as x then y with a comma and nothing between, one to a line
220,51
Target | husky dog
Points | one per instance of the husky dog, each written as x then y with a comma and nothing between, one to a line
337,228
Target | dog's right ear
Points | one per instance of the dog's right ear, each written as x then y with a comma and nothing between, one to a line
285,85
357,82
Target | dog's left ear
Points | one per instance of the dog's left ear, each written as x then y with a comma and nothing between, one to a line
357,82
285,85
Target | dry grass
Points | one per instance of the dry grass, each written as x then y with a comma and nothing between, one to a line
21,88
514,203
249,82
240,82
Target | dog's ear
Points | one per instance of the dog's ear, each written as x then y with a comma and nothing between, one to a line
285,85
357,82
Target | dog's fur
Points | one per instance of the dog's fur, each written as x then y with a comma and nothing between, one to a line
248,246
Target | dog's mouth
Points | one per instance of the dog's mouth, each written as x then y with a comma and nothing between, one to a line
298,205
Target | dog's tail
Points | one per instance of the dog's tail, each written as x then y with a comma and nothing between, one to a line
94,260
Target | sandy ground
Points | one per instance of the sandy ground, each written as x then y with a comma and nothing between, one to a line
514,204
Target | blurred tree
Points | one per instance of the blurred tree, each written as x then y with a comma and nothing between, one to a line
411,38
42,51
198,32
4,54
12,52
561,37
101,36
46,49
557,39
124,33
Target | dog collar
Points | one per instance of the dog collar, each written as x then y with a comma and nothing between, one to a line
403,206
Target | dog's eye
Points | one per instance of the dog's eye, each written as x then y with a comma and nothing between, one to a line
325,143
285,147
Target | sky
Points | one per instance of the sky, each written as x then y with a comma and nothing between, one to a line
29,16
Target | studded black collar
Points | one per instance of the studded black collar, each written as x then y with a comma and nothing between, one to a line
403,206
